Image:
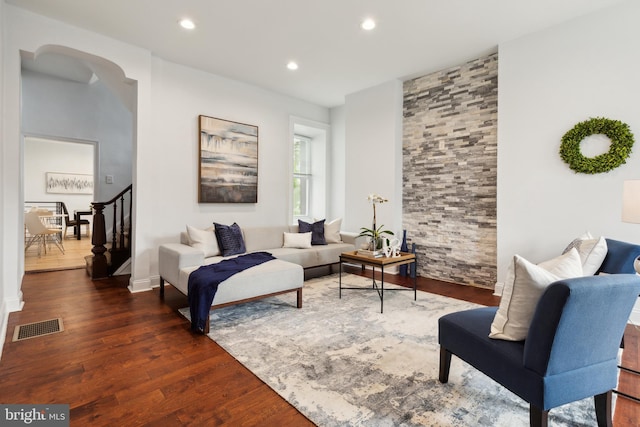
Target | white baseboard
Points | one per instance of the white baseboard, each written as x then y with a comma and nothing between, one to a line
139,285
144,285
497,289
4,323
7,307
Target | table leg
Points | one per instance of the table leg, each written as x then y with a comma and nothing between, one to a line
381,288
340,281
77,228
415,280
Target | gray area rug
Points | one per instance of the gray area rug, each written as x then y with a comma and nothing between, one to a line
342,363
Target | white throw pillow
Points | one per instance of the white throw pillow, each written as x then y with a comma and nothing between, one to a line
332,231
205,240
520,296
297,240
592,252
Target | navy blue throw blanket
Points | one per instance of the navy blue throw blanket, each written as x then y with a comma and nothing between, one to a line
203,283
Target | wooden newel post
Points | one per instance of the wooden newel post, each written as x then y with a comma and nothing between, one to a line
98,240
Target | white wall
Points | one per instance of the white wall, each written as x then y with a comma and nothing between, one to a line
337,165
319,180
179,95
28,33
548,82
65,109
9,298
45,155
165,160
373,132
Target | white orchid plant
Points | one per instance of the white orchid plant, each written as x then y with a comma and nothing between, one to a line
375,233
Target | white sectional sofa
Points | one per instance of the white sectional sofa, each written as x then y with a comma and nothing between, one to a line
284,274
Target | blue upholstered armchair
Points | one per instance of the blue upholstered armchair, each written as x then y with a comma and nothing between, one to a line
571,348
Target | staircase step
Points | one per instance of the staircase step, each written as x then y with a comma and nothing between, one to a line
89,264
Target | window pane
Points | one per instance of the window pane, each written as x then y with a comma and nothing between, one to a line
296,197
301,175
296,156
300,196
301,155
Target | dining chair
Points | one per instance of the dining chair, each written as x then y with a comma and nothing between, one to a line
72,222
40,234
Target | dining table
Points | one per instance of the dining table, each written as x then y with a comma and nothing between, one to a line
78,216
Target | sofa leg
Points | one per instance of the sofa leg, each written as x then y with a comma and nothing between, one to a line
538,417
445,364
161,288
299,298
603,409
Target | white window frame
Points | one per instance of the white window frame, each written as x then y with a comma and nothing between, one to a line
305,177
319,134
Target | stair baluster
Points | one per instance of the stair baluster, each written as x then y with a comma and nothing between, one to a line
105,261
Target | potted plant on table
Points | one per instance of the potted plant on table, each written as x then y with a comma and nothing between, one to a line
375,234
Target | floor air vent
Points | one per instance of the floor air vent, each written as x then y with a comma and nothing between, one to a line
37,329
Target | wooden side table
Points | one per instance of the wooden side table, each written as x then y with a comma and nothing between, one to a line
382,262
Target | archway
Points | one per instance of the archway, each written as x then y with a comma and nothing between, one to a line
75,96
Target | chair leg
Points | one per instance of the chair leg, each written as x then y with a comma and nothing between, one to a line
538,417
33,239
445,365
58,243
603,409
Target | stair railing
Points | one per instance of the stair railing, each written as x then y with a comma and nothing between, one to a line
100,266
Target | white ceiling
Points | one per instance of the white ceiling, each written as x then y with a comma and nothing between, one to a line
252,40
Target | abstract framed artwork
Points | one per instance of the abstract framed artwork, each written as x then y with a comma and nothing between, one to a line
69,183
228,163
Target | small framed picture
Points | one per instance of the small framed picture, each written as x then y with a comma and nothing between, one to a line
69,183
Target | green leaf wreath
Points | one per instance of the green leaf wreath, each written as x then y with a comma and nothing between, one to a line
620,149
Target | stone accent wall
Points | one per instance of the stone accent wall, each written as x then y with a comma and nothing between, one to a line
450,171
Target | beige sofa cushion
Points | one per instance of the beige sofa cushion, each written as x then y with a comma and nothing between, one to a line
264,238
270,277
297,240
332,231
205,240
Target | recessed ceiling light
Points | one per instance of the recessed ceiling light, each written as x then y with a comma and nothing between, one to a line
292,65
187,24
368,24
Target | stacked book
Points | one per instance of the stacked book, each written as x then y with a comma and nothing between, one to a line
374,254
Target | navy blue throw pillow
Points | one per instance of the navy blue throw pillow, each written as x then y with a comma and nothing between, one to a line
316,229
230,239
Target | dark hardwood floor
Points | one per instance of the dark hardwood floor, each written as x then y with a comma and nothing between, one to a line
130,359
